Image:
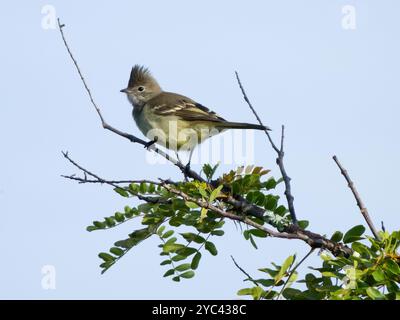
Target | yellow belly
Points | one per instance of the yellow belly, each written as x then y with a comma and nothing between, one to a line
172,132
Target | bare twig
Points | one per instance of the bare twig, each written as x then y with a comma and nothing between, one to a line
128,136
250,278
111,183
294,270
360,203
279,151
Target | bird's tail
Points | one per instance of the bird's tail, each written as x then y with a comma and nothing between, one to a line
241,125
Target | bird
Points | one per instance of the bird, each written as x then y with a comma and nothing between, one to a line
170,119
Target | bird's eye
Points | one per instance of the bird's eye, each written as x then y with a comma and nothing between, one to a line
140,89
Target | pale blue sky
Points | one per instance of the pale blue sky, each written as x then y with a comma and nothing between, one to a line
335,90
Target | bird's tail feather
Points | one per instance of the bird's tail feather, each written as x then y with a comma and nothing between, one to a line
241,125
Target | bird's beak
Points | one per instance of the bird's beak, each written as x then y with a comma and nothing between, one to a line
124,90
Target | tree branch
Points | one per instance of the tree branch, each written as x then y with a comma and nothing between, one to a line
128,136
312,239
280,153
360,203
110,182
243,271
236,201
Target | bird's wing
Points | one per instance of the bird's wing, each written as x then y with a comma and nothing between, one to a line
171,104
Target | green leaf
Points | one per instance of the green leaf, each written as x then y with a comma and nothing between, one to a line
160,230
99,225
110,222
134,188
210,247
217,233
191,205
91,228
266,282
177,278
361,249
257,292
245,292
337,236
303,224
271,202
280,211
187,274
209,171
375,294
151,188
171,240
186,251
106,256
172,247
292,294
195,261
183,267
165,262
253,243
170,272
122,192
143,187
393,267
203,214
329,274
117,251
202,191
168,234
378,275
119,217
284,268
258,233
215,193
270,184
354,234
193,237
178,257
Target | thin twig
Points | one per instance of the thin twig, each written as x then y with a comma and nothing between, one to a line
279,151
243,271
111,183
360,203
293,271
86,180
282,138
245,97
128,136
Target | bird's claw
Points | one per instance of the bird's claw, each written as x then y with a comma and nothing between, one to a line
186,170
148,144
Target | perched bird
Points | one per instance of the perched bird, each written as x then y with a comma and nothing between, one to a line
170,119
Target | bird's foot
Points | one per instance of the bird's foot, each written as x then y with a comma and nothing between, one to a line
150,143
185,171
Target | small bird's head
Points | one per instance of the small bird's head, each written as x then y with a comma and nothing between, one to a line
141,86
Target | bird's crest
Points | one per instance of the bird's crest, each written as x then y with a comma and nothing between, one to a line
140,75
